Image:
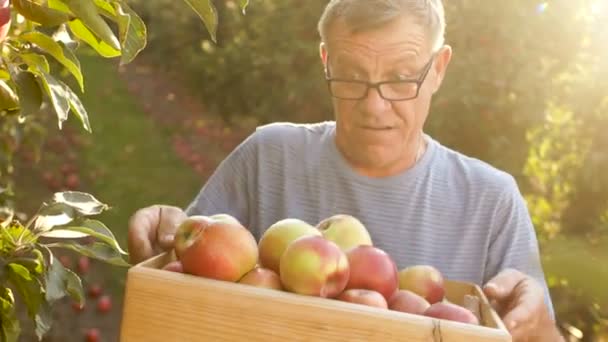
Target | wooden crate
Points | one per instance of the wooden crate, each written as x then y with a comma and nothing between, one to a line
167,306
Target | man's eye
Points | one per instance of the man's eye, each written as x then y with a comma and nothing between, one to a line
401,76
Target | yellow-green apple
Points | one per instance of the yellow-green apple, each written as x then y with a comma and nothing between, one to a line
278,236
262,277
408,301
217,249
345,230
314,266
424,280
452,312
225,217
364,297
373,269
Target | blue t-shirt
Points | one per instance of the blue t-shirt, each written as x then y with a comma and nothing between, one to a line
451,211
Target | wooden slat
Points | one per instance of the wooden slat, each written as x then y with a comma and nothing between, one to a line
169,306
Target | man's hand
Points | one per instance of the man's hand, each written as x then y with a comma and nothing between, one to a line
519,300
151,231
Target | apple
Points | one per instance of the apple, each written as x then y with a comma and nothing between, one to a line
262,277
104,304
314,266
373,269
364,297
345,230
408,301
452,312
95,291
92,335
174,266
424,280
225,218
216,249
5,18
278,236
84,264
77,306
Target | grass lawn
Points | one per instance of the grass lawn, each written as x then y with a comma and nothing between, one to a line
134,164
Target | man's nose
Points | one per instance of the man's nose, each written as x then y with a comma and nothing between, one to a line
374,102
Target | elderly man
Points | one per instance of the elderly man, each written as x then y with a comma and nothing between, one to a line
422,202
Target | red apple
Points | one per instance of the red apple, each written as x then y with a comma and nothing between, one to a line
219,249
314,266
95,291
72,181
364,297
373,269
425,280
92,335
84,264
65,261
104,304
262,277
77,306
408,301
452,312
5,18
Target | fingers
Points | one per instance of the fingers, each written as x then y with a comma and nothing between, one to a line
523,313
169,218
142,233
501,286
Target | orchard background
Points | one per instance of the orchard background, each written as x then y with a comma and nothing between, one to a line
527,91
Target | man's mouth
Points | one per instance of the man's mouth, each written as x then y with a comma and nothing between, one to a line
378,128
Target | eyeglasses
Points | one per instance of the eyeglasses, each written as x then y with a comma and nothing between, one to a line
398,90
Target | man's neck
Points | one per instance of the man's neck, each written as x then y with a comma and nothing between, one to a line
391,169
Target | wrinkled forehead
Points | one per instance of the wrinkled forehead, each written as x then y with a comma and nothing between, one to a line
401,40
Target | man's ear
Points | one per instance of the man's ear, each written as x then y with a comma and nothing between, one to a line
323,53
442,60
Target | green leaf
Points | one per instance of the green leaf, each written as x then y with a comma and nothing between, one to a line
243,4
61,281
43,15
44,320
10,324
34,264
59,5
207,12
8,97
28,286
58,93
54,214
28,89
62,54
87,12
78,108
83,33
4,75
106,9
87,227
83,202
132,32
96,250
36,63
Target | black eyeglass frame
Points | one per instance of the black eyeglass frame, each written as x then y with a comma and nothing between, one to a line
376,85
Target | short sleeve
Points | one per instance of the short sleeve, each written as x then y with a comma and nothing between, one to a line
230,186
514,243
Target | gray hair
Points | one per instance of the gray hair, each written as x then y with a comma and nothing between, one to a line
361,15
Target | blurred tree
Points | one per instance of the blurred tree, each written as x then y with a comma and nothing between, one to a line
526,92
